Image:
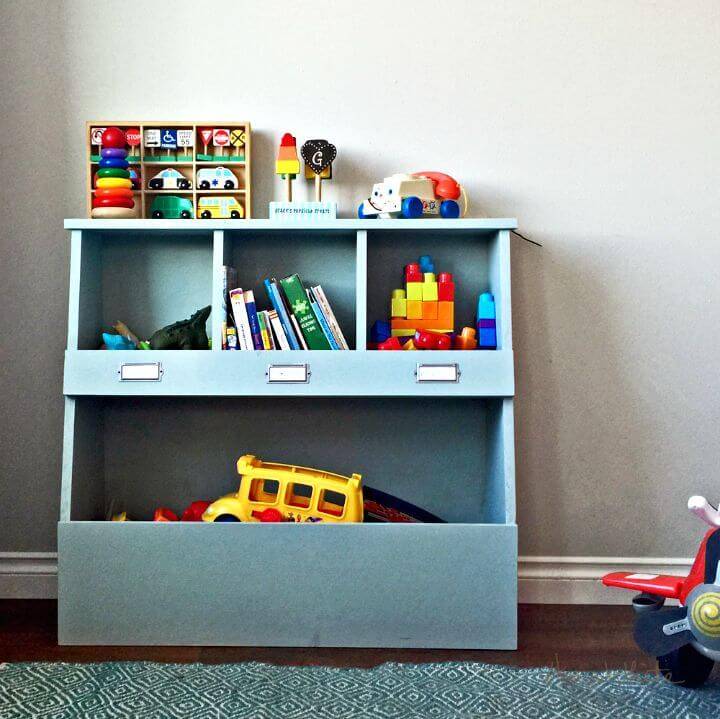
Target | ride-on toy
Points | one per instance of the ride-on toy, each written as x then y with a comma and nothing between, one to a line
685,639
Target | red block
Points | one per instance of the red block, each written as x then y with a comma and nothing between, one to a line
446,287
425,340
412,273
393,343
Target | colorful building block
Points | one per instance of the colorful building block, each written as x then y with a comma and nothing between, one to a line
425,340
426,264
446,287
430,310
398,304
409,345
403,333
413,273
414,309
390,344
379,332
419,324
487,332
429,288
446,314
414,291
466,340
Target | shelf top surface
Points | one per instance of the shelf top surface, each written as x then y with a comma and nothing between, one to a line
468,223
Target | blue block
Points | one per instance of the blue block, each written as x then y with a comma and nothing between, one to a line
426,264
380,331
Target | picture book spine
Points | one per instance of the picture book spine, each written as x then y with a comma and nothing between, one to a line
277,327
251,308
277,303
322,321
241,319
263,331
268,327
229,279
300,307
298,332
330,317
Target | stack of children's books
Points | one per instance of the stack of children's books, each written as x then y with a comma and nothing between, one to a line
300,319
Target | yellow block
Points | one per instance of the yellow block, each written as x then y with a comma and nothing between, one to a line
398,304
429,288
113,182
414,290
402,333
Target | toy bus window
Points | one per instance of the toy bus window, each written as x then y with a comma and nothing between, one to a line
299,495
264,490
332,503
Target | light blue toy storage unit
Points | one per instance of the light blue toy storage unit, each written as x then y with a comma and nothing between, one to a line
171,431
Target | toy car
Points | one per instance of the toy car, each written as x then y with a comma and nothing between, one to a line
170,207
685,639
220,208
169,179
216,178
271,492
412,196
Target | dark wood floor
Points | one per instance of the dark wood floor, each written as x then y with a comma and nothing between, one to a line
567,637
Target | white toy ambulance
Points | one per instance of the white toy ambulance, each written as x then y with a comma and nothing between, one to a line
216,178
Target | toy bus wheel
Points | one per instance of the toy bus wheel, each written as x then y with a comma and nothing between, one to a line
155,184
226,518
235,215
204,185
205,214
449,209
157,214
412,208
685,667
229,185
185,214
183,184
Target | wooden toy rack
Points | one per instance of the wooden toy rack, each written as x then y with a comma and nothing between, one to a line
188,161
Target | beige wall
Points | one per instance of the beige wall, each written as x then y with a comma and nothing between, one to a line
595,123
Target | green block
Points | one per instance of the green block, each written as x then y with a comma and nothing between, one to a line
235,158
133,158
204,158
184,158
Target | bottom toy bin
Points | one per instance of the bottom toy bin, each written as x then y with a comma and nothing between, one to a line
449,583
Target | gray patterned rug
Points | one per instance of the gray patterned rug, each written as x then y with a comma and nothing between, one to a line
392,691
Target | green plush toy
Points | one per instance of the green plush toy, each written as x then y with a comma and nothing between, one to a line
184,335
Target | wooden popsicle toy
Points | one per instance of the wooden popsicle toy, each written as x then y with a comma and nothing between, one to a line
287,164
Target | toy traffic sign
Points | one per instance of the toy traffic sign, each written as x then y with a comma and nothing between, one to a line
169,140
206,134
152,140
221,138
96,135
237,140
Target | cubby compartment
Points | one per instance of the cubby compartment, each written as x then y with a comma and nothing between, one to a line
340,584
442,454
473,256
320,257
146,280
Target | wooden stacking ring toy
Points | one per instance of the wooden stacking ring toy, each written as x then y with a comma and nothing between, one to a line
118,152
112,213
114,162
113,182
113,202
112,172
120,192
113,137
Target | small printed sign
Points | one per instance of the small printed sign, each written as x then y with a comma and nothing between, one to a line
96,135
132,136
169,138
152,138
237,138
318,155
220,137
184,138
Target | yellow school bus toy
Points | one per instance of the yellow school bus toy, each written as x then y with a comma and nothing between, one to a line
271,492
224,207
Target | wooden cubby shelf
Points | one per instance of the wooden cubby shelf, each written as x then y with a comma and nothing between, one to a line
137,445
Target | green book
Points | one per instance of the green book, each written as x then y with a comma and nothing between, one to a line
300,306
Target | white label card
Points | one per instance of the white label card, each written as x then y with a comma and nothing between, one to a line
288,373
437,373
140,372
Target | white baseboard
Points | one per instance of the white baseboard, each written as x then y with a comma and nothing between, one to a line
28,575
541,580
